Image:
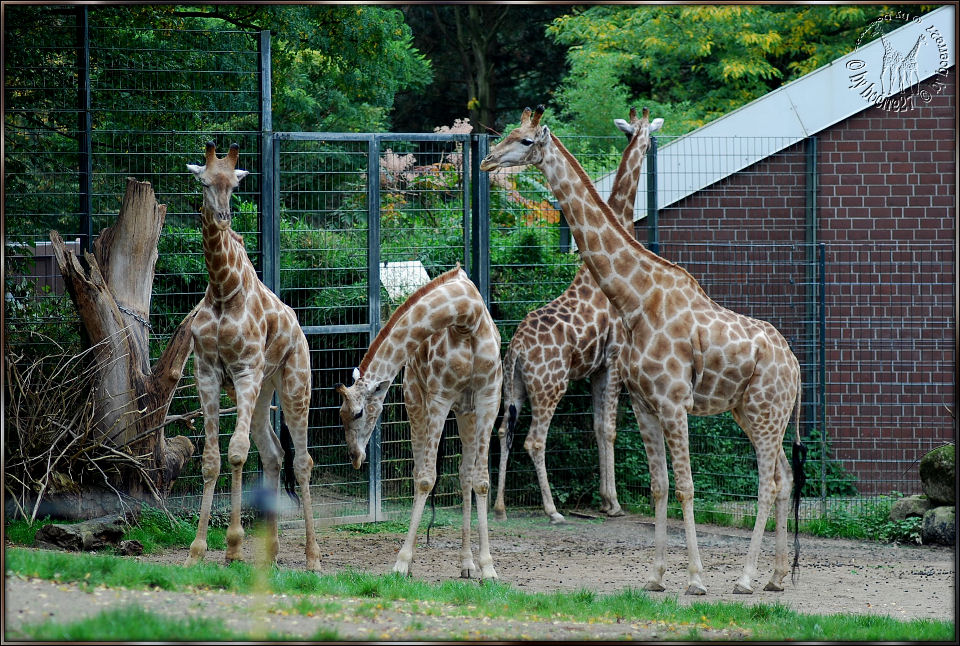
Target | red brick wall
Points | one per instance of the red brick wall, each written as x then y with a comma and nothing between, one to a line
887,217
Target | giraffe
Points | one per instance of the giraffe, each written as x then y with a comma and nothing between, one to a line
684,354
448,344
898,71
250,343
573,337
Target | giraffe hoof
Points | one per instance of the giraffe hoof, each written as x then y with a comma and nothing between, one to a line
616,513
741,589
653,586
499,514
557,519
773,587
465,573
696,589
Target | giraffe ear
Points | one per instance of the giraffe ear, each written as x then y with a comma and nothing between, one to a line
380,387
624,126
196,170
356,373
656,124
241,174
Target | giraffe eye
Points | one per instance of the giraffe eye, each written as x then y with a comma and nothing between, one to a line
527,142
358,415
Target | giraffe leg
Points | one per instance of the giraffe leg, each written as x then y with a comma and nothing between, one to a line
247,392
474,475
295,400
208,388
784,479
767,444
466,425
652,435
674,423
505,437
536,445
271,458
605,386
426,424
514,390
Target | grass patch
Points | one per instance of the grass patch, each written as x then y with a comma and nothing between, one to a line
464,598
155,530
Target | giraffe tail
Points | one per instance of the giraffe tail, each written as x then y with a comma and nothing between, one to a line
513,390
798,460
289,478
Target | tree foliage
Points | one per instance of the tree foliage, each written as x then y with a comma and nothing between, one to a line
692,64
489,62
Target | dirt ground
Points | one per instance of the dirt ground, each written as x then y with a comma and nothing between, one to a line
604,556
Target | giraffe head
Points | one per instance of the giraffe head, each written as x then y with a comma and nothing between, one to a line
636,125
220,178
361,408
524,145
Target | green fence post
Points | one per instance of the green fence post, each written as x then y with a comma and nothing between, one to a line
373,309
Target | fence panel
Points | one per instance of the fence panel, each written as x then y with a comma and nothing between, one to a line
90,100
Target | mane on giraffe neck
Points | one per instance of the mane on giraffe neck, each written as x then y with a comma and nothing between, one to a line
609,217
412,300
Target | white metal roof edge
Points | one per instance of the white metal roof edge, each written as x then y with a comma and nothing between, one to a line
796,110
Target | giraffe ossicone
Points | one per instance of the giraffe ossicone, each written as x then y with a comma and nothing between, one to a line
248,342
684,354
446,342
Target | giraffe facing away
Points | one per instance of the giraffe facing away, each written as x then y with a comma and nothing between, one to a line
448,344
248,342
684,354
573,337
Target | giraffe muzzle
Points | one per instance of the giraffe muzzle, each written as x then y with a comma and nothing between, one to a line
488,164
357,456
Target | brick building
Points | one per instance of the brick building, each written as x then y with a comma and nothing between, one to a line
871,189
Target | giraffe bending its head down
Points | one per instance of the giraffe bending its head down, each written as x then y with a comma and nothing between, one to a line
245,340
575,336
683,354
445,338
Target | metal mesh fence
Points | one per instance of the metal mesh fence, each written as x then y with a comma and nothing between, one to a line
872,323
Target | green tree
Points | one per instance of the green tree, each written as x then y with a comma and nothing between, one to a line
335,67
692,64
489,62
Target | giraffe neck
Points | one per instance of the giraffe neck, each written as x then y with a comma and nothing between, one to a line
623,193
624,269
228,268
450,300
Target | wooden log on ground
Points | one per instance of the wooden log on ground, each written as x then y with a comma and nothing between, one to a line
93,534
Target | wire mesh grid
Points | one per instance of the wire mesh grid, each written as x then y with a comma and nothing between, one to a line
891,351
882,313
532,263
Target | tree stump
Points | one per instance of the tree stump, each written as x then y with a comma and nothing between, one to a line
112,290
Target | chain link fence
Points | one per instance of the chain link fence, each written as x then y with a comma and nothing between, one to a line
343,227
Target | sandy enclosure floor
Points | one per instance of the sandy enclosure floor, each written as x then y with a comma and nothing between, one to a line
836,576
612,554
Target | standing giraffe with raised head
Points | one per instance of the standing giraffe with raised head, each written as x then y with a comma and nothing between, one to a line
445,338
573,337
684,354
248,342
